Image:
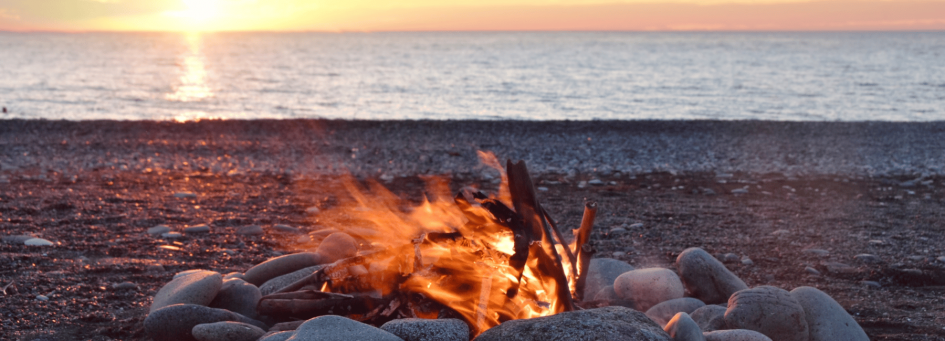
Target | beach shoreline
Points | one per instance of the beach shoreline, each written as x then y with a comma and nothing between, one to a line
406,148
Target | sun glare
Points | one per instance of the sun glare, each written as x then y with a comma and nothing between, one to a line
201,11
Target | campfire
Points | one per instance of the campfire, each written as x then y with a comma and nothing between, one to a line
482,258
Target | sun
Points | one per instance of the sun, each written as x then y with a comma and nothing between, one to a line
201,11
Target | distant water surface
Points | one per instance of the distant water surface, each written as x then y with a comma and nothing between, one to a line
530,76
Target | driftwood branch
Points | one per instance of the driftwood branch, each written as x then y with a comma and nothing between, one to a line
583,250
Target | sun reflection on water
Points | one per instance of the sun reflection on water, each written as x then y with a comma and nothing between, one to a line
193,85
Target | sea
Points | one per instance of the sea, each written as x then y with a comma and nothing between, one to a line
778,76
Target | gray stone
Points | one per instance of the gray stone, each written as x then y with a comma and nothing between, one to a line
747,261
286,228
17,239
124,286
226,331
172,235
648,287
37,242
278,266
189,272
705,277
602,272
196,288
682,328
817,252
826,319
812,271
237,296
608,323
338,245
159,229
609,295
202,228
176,322
735,335
337,328
867,258
768,310
417,329
277,336
250,230
729,258
871,284
710,317
839,268
185,195
666,310
233,274
276,284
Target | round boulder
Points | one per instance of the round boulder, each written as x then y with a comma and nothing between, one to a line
336,246
281,265
705,277
417,329
608,323
648,287
735,335
176,322
226,331
710,317
602,272
195,288
610,296
682,328
337,328
665,311
238,296
826,319
768,310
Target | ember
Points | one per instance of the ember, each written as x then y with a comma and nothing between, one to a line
485,259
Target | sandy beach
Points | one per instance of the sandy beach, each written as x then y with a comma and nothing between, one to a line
767,192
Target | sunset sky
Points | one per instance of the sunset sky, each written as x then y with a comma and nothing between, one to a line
468,15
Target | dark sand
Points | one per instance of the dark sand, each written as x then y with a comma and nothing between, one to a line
95,187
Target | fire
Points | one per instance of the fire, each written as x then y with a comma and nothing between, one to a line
455,251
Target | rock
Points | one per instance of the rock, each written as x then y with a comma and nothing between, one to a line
839,268
871,284
706,278
602,272
877,242
197,288
729,258
189,272
176,322
867,258
226,331
941,259
279,282
233,274
337,328
710,317
647,287
37,242
682,328
338,245
666,310
202,228
609,295
817,252
238,296
185,195
595,182
826,319
812,271
735,335
740,191
269,269
747,261
250,230
417,329
277,336
635,225
768,310
312,210
42,298
582,184
607,323
286,228
124,286
172,235
17,239
159,229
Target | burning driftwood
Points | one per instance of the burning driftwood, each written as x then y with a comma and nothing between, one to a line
502,263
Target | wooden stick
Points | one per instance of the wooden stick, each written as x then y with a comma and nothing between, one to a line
567,250
583,250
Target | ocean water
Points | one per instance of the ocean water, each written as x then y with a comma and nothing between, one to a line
822,76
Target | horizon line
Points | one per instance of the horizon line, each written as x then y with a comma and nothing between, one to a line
493,31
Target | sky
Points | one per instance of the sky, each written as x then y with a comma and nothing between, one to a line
470,15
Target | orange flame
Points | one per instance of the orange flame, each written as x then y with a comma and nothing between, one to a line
468,272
